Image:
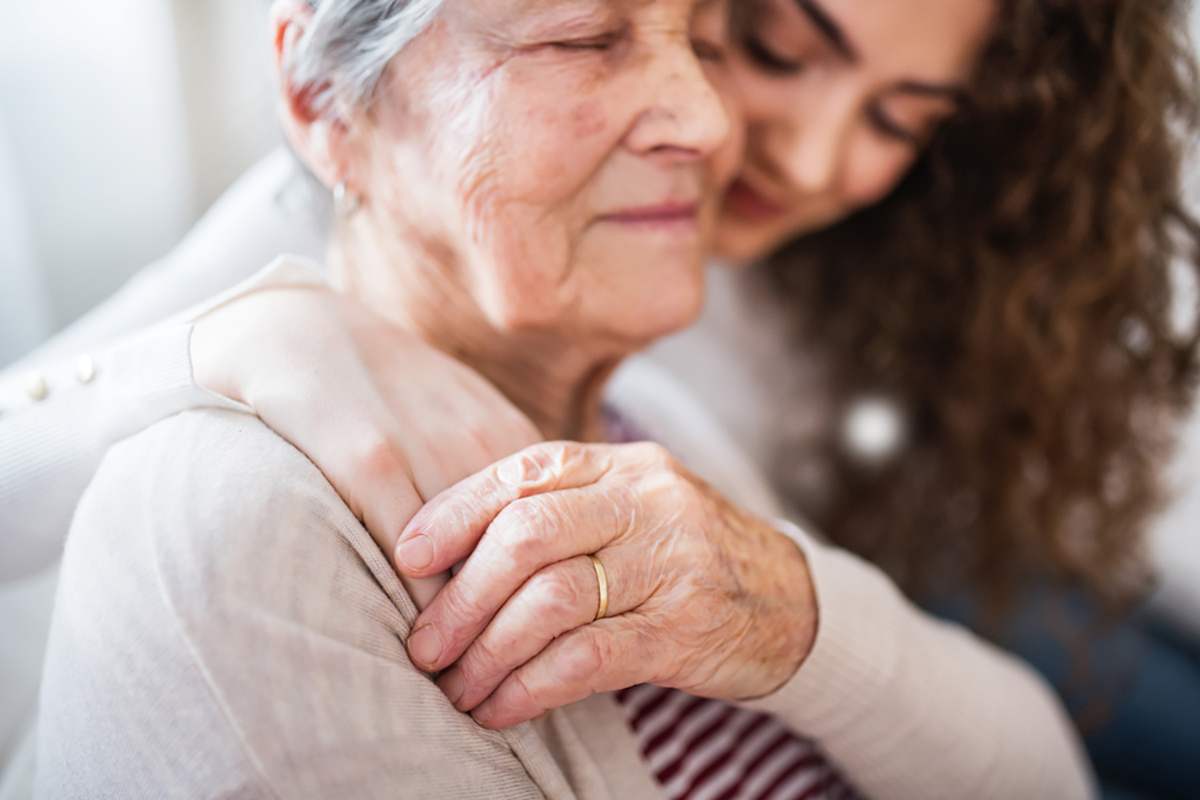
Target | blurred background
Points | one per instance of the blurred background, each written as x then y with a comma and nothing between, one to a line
120,123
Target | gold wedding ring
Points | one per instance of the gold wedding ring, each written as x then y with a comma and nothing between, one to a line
602,581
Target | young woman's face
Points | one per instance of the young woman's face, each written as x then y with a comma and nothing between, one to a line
839,98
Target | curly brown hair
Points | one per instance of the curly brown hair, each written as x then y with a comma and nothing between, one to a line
1015,296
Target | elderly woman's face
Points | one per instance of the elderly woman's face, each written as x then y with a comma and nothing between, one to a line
565,158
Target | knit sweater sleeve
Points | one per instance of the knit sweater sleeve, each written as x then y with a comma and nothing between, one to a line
59,415
911,707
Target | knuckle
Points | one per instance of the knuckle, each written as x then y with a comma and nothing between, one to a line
679,488
533,467
654,454
555,590
458,606
520,472
379,457
482,660
584,659
524,528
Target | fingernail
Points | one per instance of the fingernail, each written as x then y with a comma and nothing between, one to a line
416,554
425,646
453,686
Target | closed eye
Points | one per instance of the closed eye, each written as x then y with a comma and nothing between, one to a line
892,129
707,51
600,43
768,59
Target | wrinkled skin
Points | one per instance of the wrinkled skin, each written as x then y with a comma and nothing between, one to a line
703,596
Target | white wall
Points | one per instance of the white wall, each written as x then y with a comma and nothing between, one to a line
24,302
89,92
124,120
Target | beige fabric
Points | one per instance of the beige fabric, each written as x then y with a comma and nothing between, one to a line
238,632
225,626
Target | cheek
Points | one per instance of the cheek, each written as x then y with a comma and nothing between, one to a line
525,201
588,120
555,124
874,170
536,147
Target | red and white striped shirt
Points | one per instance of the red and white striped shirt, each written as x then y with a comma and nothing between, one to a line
705,749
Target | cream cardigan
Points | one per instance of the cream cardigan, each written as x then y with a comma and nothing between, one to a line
226,627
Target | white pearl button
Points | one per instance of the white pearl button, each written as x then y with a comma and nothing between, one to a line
85,369
36,387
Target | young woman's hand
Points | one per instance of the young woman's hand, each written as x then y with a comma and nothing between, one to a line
389,420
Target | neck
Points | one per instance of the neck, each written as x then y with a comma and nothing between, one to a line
555,381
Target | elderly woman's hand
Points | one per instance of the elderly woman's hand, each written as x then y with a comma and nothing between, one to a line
702,596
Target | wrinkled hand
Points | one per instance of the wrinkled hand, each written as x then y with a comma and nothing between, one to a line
703,596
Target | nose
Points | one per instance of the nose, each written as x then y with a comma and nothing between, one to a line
684,117
810,151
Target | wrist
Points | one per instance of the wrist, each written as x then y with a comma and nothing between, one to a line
784,613
800,612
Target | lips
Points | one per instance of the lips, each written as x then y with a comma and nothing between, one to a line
669,213
746,201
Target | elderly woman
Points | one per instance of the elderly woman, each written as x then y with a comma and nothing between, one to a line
531,188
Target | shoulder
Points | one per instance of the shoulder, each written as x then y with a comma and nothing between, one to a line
208,469
219,605
218,510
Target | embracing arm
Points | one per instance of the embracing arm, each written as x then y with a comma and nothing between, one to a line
913,707
56,423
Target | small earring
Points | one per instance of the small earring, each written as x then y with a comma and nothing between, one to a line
345,202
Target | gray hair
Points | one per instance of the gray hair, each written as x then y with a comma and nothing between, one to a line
349,43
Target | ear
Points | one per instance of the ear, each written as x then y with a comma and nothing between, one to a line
315,131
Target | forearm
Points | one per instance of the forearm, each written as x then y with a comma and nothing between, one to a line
911,707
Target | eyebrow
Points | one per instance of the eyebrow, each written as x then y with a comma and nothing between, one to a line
831,30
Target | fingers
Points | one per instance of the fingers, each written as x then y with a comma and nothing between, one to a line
446,529
603,657
556,600
526,536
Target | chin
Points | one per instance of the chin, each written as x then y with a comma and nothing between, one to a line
667,304
739,246
741,243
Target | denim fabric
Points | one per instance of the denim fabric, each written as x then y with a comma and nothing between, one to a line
1132,685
